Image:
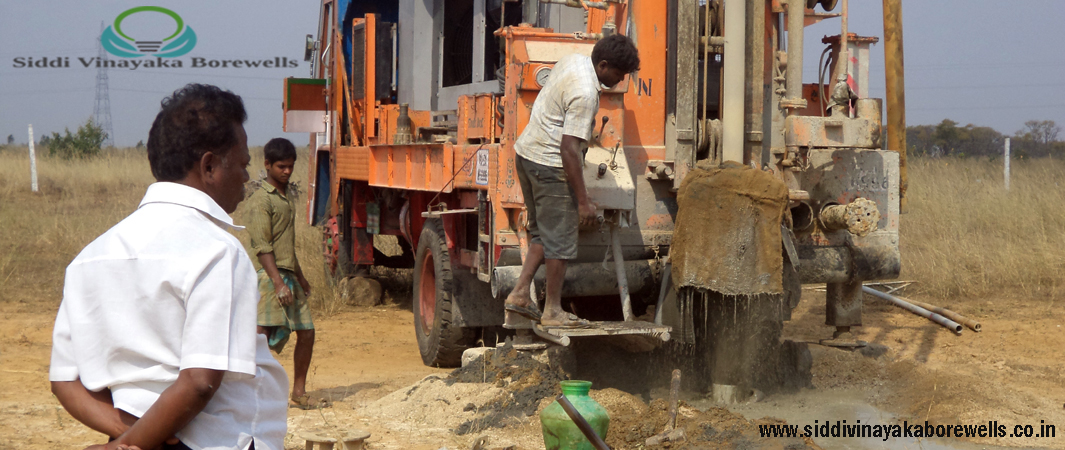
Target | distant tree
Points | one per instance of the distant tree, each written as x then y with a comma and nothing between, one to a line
1057,150
10,139
947,136
84,144
1043,132
920,140
45,141
140,144
948,139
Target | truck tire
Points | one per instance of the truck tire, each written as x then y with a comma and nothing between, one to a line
440,341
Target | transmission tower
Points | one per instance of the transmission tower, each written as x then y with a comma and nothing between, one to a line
101,113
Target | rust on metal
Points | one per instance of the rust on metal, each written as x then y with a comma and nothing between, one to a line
859,217
895,90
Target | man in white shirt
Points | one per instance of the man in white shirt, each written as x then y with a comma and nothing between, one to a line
155,342
549,169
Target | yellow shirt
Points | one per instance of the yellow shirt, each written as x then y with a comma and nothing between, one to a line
272,226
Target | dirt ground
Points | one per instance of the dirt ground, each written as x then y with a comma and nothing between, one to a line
366,361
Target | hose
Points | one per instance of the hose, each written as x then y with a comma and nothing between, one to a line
822,68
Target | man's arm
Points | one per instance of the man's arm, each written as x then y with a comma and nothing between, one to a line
174,409
261,232
269,263
94,409
571,164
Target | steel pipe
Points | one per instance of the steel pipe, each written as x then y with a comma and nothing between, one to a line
860,217
939,319
557,340
972,324
733,81
582,279
754,93
619,269
793,76
667,277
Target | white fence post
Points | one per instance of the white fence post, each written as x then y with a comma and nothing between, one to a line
33,163
1006,167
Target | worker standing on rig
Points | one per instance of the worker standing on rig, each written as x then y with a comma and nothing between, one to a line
550,170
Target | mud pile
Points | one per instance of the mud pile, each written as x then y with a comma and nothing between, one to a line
502,392
524,379
632,422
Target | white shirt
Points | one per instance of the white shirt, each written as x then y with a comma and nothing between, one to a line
166,289
566,105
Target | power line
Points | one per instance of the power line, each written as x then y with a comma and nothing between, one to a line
998,107
986,86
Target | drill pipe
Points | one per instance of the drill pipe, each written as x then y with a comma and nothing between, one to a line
952,325
972,324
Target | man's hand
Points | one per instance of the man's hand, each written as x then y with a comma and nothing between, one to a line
284,294
587,212
571,165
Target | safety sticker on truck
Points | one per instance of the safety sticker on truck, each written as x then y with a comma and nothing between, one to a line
482,167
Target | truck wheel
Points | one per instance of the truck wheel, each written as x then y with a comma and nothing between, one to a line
440,340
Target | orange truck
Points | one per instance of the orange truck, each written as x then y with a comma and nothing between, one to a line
414,107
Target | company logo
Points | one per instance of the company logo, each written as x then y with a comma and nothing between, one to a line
118,43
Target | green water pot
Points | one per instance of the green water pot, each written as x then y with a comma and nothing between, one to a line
560,433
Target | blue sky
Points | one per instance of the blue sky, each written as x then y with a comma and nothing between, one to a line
994,64
54,98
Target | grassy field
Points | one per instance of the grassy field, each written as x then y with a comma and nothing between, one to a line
78,200
963,236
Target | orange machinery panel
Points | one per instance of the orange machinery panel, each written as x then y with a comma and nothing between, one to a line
387,116
479,115
352,163
420,167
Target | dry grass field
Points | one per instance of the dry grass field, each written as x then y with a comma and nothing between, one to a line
963,236
996,256
79,200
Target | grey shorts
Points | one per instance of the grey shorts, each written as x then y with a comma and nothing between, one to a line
551,208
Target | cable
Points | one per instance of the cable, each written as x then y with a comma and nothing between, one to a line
821,78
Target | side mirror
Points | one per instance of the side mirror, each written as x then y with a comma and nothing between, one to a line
308,52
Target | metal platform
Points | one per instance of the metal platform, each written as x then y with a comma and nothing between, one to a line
611,329
634,335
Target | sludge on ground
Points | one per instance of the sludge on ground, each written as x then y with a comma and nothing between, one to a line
501,393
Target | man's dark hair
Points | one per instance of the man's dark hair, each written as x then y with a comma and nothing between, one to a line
279,149
619,53
196,119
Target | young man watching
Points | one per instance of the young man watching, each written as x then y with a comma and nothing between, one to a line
155,343
283,289
550,170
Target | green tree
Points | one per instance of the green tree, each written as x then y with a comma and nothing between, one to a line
140,144
10,139
83,144
45,141
947,135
